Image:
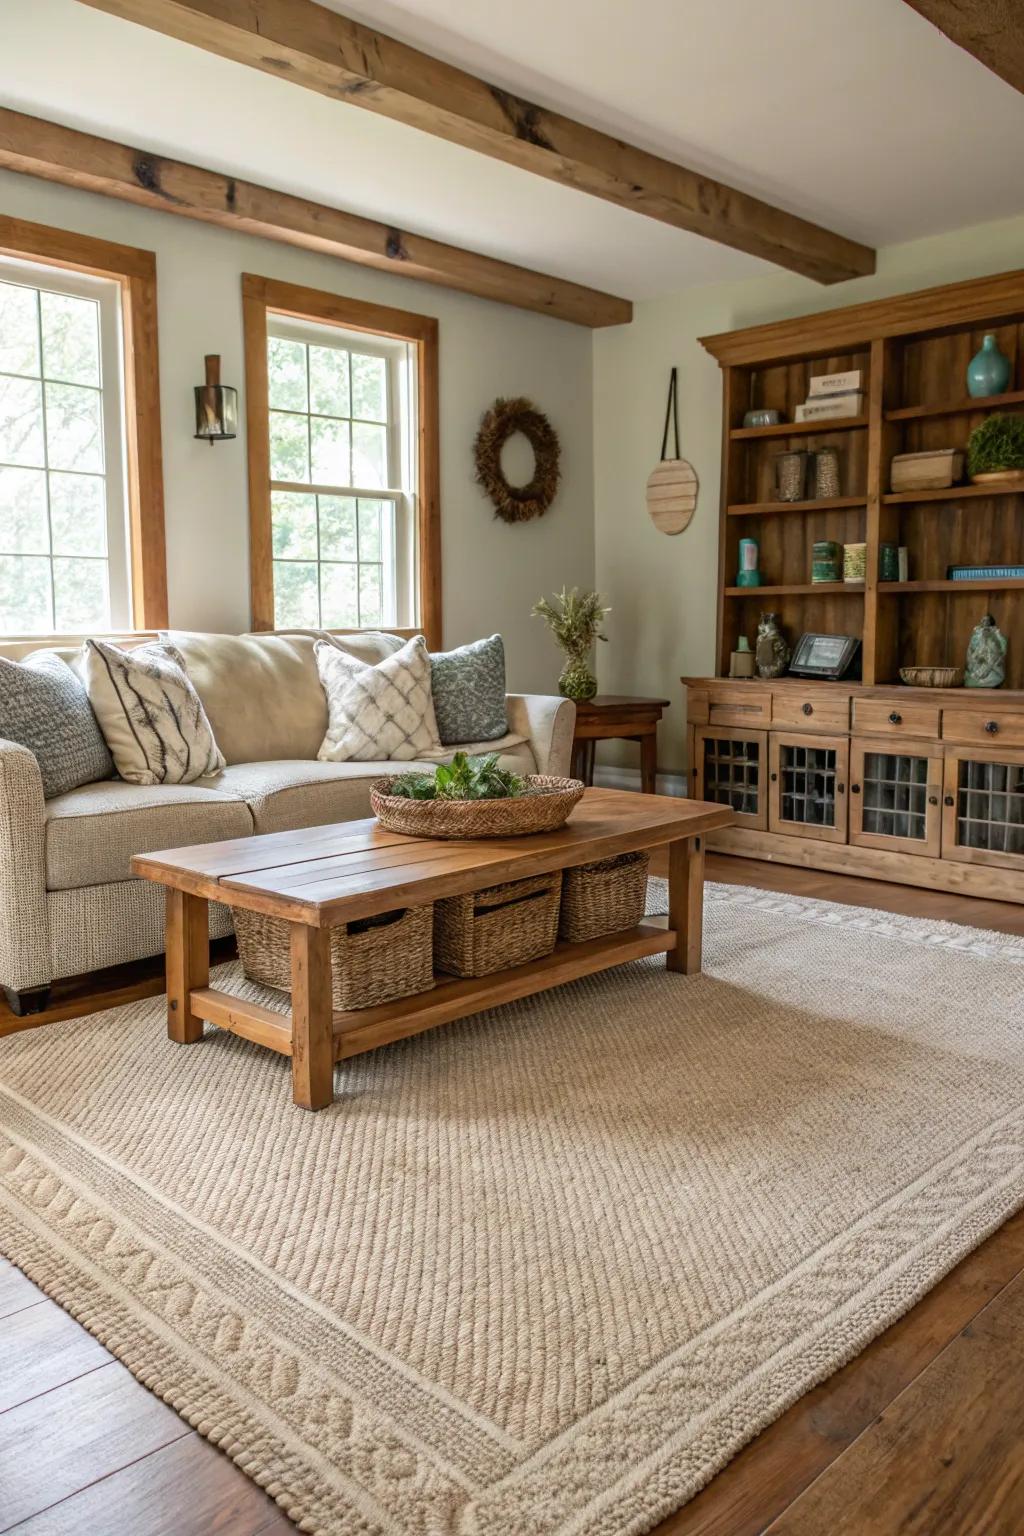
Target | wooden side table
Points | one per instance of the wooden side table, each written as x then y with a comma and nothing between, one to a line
612,717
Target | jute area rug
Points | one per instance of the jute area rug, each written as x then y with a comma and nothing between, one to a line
547,1269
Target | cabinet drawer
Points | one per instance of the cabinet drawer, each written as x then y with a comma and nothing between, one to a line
891,717
811,712
738,705
983,728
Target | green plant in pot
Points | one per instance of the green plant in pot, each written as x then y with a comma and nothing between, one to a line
995,450
464,778
575,618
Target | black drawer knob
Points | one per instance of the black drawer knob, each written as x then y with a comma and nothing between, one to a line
840,789
808,709
854,789
949,800
933,799
775,778
992,727
895,718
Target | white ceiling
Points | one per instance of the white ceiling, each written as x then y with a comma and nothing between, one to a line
854,113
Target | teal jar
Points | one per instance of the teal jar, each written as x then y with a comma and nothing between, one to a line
988,372
749,574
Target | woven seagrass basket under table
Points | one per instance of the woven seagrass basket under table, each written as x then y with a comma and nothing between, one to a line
373,960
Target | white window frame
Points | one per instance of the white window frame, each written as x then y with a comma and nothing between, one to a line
399,565
108,294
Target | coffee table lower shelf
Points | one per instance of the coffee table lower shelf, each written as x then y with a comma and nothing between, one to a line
364,1029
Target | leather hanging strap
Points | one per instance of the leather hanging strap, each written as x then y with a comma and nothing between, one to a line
671,414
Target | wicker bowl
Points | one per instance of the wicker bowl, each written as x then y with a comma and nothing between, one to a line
932,677
544,807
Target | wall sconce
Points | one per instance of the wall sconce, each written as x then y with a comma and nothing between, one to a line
216,405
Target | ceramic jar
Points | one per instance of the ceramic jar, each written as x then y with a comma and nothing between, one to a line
988,372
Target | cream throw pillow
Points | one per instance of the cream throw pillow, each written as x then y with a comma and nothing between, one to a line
151,717
377,712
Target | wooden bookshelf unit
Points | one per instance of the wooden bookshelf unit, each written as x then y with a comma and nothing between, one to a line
870,777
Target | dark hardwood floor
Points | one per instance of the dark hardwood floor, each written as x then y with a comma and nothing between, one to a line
919,1436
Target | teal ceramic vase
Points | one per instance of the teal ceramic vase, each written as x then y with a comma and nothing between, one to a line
988,372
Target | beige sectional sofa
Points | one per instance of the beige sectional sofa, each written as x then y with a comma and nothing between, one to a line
68,903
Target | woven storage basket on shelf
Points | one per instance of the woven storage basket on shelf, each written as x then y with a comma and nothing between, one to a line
506,925
373,960
603,898
544,807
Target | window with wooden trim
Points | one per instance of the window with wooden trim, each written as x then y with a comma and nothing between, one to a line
81,507
343,462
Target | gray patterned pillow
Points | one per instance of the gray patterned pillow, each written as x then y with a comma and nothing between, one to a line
469,692
44,707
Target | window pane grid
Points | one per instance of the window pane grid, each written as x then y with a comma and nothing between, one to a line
331,544
53,554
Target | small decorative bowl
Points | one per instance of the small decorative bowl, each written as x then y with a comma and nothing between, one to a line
932,677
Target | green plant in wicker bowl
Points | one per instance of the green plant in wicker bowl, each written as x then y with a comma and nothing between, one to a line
575,618
464,778
995,449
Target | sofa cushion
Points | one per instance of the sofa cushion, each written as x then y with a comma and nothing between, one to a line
290,793
468,685
92,832
262,693
44,707
150,714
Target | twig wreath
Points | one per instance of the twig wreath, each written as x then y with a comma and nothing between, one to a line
517,503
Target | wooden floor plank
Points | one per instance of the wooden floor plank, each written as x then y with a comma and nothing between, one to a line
775,1468
42,1348
16,1290
947,1458
187,1488
54,1444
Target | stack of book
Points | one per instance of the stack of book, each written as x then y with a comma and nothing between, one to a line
832,395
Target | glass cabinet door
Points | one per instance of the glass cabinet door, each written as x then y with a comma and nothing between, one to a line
895,797
983,808
729,768
808,777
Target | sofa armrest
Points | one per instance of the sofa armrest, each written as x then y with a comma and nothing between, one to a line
549,722
24,926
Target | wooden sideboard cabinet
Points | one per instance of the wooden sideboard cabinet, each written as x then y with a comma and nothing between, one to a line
918,786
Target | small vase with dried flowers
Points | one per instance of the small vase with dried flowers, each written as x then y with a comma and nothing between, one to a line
575,618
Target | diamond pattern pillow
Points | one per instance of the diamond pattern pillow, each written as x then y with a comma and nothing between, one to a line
377,712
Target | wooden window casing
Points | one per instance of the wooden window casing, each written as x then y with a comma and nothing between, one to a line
263,297
135,272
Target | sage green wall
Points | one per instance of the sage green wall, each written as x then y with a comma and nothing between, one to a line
663,590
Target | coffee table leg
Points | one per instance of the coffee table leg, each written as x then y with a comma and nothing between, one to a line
188,962
649,763
312,1017
686,903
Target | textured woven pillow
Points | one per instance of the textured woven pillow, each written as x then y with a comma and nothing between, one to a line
149,712
377,712
45,708
468,685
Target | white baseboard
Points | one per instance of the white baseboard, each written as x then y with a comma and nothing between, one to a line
629,778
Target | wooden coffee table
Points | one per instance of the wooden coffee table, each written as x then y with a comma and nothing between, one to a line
323,876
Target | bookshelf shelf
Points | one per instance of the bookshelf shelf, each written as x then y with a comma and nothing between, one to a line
1006,584
961,407
953,493
802,589
801,428
825,504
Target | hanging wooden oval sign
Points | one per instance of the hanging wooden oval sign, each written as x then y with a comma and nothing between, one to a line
672,485
672,495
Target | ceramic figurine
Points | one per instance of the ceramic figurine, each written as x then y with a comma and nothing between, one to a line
988,372
986,656
772,652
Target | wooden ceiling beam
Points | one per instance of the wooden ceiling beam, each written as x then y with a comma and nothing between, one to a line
992,31
39,148
312,46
